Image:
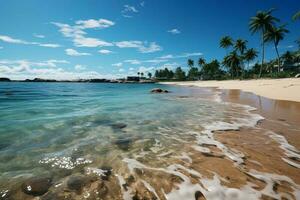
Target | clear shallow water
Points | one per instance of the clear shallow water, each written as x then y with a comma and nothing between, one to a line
60,129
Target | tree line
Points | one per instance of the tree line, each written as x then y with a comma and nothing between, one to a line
236,63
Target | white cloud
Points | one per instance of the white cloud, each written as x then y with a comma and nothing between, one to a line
155,61
9,39
141,46
184,55
133,62
128,10
119,64
38,36
174,31
105,51
92,23
142,3
78,35
79,67
22,69
121,70
50,45
73,52
90,42
131,69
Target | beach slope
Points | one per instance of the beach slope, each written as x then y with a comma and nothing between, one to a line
281,89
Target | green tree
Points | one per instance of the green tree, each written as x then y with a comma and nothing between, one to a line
201,62
226,42
240,45
139,74
142,74
149,75
250,55
261,22
179,74
190,63
193,73
211,70
232,61
276,34
287,57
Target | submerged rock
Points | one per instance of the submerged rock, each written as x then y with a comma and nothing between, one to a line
107,172
199,196
76,182
36,186
124,143
159,90
118,125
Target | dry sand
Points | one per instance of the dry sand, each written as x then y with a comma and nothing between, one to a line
280,89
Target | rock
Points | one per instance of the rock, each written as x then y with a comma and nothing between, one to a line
159,90
199,195
118,125
76,183
36,186
124,143
107,173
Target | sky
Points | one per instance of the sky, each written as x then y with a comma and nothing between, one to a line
111,39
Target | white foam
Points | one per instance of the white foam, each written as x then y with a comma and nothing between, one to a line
64,162
184,156
150,188
289,150
271,180
96,171
127,194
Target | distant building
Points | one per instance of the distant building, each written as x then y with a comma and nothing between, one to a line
133,78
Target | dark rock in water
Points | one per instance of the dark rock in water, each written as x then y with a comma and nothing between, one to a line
3,145
107,172
124,143
76,182
159,90
118,125
36,186
199,195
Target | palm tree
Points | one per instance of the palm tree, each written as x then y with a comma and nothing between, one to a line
142,74
240,45
275,35
149,75
261,22
296,16
190,63
226,42
287,57
139,74
201,62
250,55
232,61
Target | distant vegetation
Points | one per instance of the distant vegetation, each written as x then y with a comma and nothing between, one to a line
238,61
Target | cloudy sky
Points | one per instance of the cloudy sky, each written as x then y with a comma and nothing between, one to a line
108,38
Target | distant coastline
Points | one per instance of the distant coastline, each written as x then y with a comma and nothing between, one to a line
95,80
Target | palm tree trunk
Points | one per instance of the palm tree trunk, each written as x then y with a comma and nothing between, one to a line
263,53
278,58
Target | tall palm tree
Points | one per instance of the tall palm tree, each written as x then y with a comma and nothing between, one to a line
201,62
275,35
190,63
287,57
240,45
232,61
226,42
250,55
261,22
139,74
142,74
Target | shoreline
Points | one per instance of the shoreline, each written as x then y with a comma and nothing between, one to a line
277,89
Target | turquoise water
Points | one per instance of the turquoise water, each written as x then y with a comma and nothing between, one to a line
58,129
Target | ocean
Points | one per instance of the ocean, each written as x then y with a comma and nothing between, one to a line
120,137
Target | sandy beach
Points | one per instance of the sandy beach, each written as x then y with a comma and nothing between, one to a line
280,89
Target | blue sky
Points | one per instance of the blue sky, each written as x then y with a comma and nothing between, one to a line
108,39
